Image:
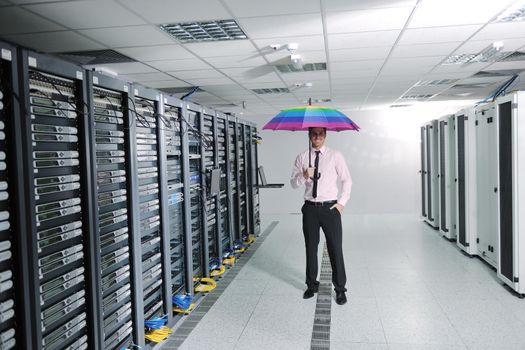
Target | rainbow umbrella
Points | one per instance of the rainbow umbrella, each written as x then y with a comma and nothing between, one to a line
304,117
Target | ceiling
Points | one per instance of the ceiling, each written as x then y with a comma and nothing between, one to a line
376,51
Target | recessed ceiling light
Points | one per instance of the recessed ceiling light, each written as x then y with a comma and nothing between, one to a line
205,31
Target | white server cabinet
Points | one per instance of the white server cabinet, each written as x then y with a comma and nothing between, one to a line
510,152
486,184
431,173
423,172
466,180
446,176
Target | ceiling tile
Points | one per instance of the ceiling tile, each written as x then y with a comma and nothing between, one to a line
166,84
365,39
459,68
55,42
282,26
338,5
169,11
129,36
304,77
243,8
222,48
501,31
194,74
305,43
477,46
367,20
179,65
283,57
249,72
355,73
208,81
366,53
94,14
518,65
145,77
422,50
236,61
268,78
339,67
156,53
437,34
15,20
434,13
126,68
264,85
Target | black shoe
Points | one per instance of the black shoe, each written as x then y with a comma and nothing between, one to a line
308,293
340,298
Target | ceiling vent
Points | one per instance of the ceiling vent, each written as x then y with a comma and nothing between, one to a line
267,91
436,82
513,57
400,105
307,67
95,57
417,97
195,32
472,86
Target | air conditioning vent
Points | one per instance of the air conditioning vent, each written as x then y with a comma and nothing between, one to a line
417,97
195,32
436,82
399,105
513,57
267,91
95,57
307,67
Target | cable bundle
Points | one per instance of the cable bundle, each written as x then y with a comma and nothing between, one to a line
158,335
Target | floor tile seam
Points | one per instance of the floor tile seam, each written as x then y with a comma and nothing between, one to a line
323,301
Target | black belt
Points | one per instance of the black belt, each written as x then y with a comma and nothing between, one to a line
320,204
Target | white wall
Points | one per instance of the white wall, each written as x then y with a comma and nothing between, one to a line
383,158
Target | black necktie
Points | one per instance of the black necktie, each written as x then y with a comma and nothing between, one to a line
316,174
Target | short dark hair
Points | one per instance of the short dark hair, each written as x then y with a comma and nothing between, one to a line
310,129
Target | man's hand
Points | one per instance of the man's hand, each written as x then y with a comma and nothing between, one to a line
338,207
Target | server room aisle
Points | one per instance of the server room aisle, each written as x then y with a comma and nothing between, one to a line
408,289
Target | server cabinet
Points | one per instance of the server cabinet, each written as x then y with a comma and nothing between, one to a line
15,314
197,199
151,246
431,172
242,165
466,181
225,189
446,175
172,111
233,170
60,197
254,165
486,184
111,149
511,193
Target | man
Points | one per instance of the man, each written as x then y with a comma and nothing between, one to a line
322,209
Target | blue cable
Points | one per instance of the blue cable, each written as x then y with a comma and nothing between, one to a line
156,323
182,301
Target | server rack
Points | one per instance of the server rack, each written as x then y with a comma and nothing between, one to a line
197,200
255,215
152,247
511,194
486,184
225,190
172,110
431,172
233,171
446,175
466,180
423,171
60,222
242,181
210,154
111,145
14,313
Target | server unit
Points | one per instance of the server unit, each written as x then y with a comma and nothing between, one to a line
430,171
486,183
60,222
466,180
225,190
511,192
446,176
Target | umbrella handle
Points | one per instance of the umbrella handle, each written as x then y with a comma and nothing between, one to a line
309,153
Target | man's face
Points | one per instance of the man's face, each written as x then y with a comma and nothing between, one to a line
317,137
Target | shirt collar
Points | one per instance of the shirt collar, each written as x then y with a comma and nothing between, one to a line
322,149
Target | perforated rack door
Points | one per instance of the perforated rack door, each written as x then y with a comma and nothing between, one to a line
111,138
59,200
224,193
233,153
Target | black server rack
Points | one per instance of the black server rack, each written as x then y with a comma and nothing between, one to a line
60,222
241,182
233,171
14,313
210,156
254,182
174,164
148,131
199,248
225,190
111,149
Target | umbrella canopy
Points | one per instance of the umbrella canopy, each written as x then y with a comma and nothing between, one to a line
304,117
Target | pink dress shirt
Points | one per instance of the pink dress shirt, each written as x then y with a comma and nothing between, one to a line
331,166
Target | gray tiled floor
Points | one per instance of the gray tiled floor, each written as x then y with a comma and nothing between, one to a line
409,289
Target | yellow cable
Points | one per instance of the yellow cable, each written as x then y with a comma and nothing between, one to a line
206,284
250,239
229,261
218,272
184,311
158,335
240,250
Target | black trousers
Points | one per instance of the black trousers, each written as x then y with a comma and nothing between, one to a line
314,218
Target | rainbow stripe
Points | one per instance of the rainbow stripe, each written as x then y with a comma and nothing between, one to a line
302,118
